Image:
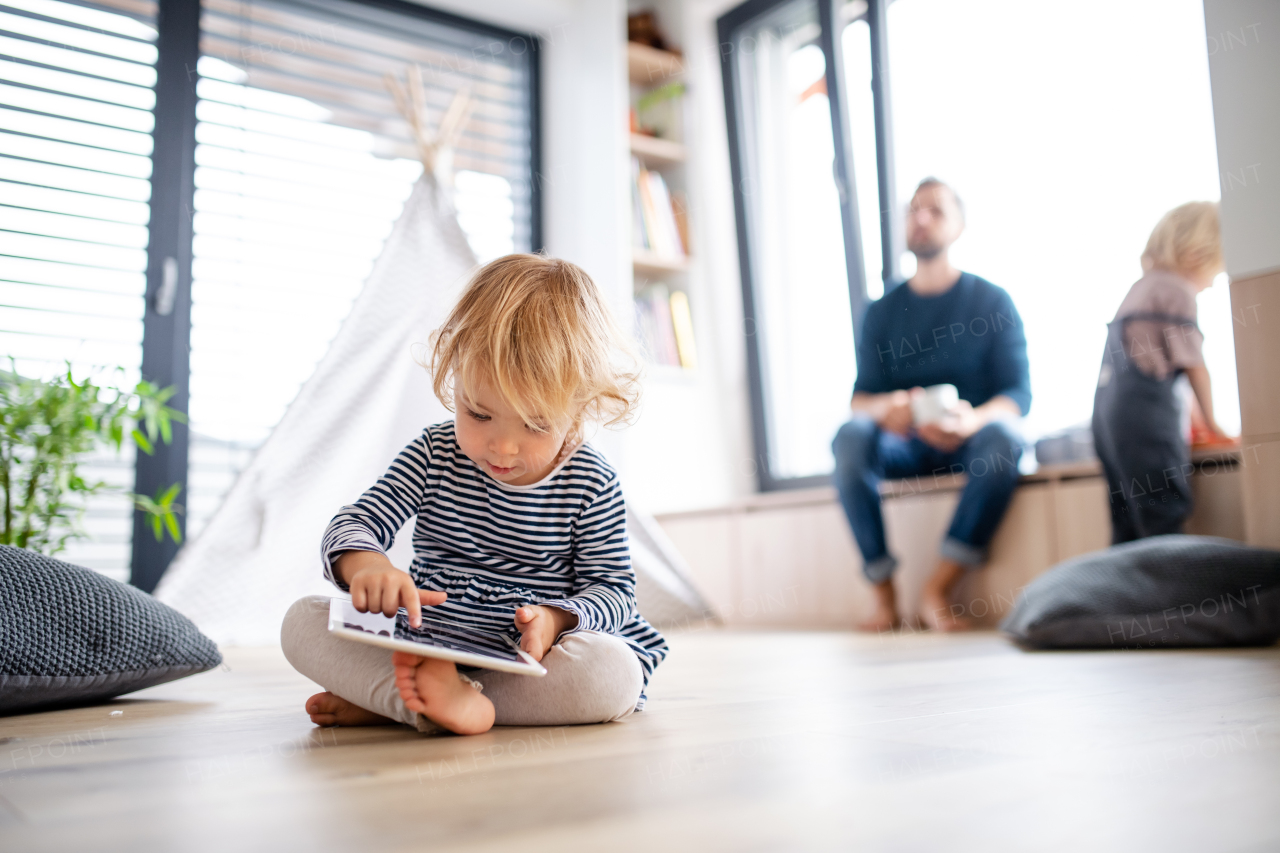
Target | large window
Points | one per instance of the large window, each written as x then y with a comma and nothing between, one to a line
280,163
793,214
1067,138
302,166
76,97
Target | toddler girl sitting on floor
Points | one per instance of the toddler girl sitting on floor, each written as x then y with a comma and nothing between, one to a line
521,526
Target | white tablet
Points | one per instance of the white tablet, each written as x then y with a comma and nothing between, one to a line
433,640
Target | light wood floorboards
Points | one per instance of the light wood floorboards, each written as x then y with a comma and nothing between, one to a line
752,741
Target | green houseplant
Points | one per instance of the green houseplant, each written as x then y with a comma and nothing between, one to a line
46,428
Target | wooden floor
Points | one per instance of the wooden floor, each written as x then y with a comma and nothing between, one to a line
752,741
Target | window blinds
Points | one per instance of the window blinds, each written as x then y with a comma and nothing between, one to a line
303,164
76,99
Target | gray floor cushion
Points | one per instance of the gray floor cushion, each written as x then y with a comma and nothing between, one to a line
1162,592
70,636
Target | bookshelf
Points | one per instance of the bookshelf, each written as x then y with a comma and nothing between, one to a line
648,66
656,152
648,263
660,229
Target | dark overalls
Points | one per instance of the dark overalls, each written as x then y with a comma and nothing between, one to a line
1137,431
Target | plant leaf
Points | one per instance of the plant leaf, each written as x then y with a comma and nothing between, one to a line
171,522
144,444
170,493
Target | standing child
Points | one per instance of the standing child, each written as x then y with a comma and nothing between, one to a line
521,526
1154,338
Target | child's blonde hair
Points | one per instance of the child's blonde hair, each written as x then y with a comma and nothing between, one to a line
538,332
1187,239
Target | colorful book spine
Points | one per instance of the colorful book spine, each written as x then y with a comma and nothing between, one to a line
665,327
660,299
682,324
638,237
681,208
657,214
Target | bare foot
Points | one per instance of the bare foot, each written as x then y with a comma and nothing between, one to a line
936,612
885,617
329,710
431,687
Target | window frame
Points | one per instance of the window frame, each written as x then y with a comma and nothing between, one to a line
727,27
166,338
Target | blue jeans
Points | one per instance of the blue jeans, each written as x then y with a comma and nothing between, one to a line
866,454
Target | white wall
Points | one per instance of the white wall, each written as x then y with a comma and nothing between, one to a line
1244,66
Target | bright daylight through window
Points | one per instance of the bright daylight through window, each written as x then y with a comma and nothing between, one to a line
797,252
302,168
1066,150
77,88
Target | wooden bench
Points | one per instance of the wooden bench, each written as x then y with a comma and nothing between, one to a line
788,560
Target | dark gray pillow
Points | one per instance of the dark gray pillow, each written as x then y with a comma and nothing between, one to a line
70,636
1162,592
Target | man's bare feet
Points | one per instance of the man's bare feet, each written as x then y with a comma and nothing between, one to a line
936,610
329,710
431,687
885,617
936,613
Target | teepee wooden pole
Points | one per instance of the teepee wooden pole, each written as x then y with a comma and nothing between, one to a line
411,101
455,117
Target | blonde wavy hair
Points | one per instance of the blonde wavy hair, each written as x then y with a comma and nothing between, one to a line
1187,239
538,332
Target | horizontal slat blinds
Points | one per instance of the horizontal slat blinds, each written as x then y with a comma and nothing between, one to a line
303,165
76,99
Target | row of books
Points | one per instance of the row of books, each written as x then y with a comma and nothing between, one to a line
658,216
666,327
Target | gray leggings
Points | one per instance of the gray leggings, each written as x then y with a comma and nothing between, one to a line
591,677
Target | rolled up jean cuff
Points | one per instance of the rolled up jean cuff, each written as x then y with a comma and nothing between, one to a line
880,569
963,553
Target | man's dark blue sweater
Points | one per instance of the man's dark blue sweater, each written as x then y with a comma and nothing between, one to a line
970,336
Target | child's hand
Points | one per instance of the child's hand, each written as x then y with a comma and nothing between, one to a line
541,626
376,585
1220,436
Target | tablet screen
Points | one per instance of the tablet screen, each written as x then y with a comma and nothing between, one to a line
433,632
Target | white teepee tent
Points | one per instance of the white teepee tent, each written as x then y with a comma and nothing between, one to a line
367,399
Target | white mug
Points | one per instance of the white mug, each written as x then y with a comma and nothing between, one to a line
933,403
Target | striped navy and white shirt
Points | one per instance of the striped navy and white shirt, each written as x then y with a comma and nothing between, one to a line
493,547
